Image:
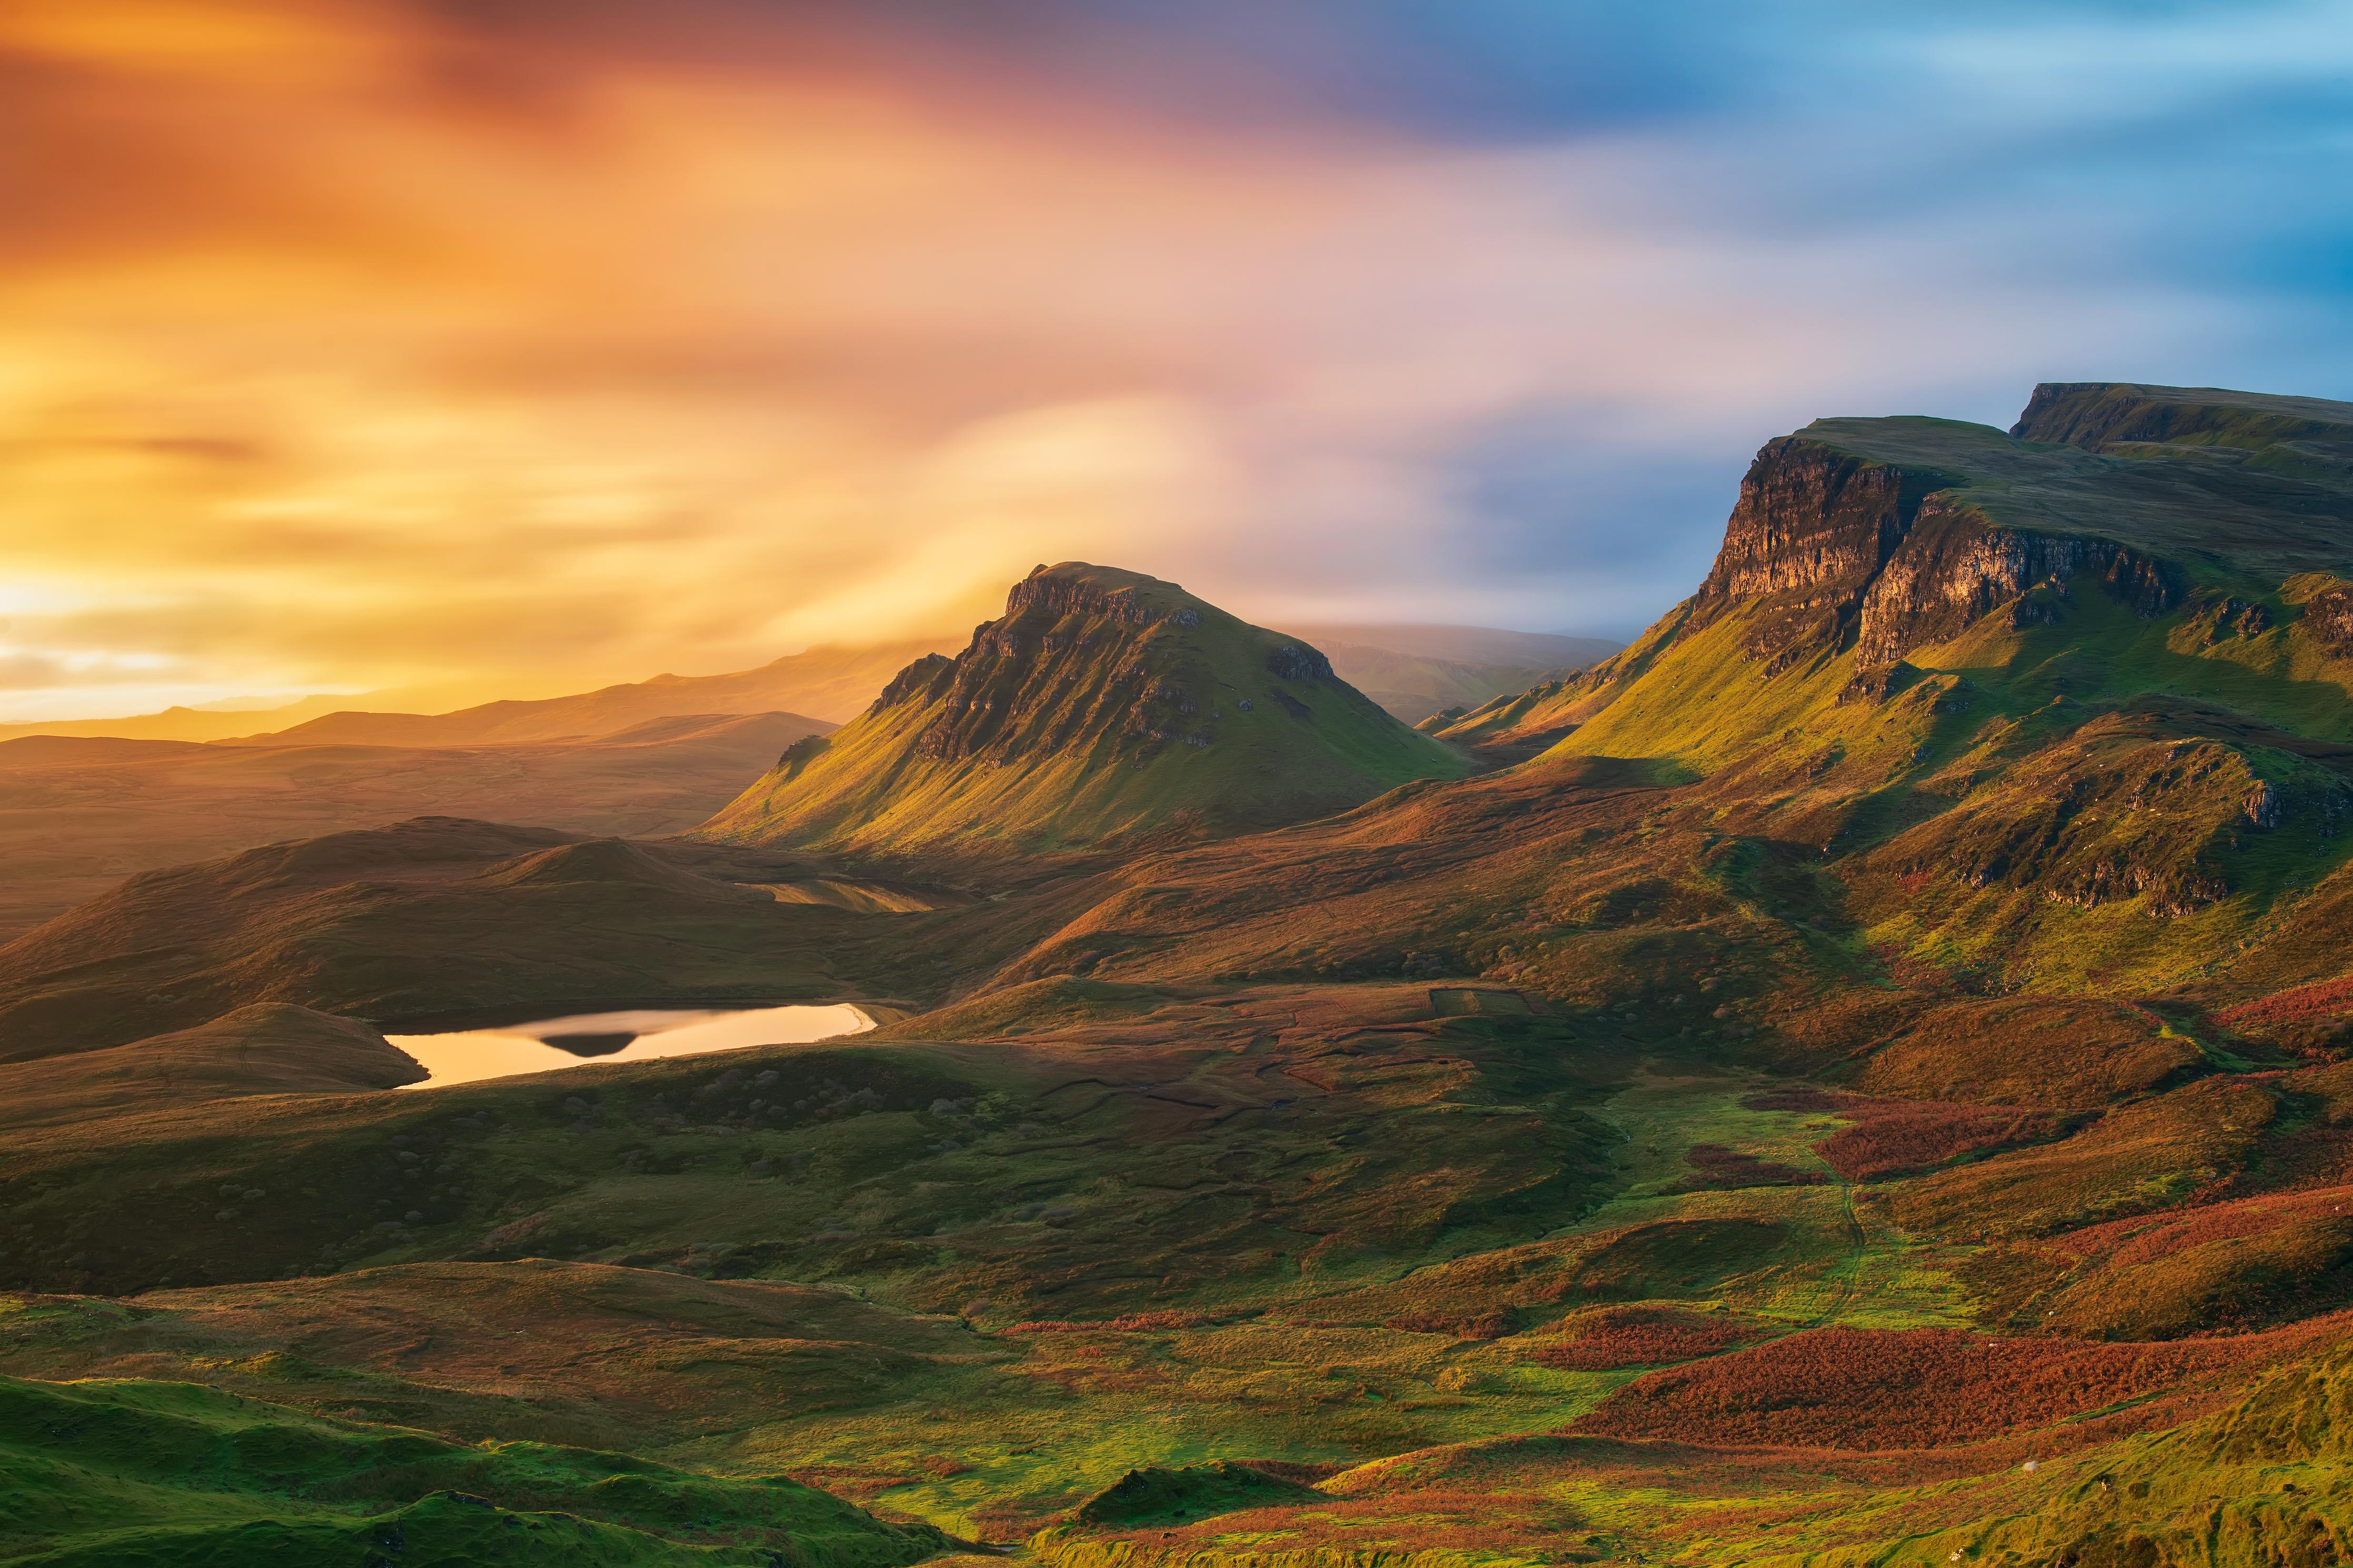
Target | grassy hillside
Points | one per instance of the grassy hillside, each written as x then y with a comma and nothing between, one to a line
1871,1084
1875,538
1104,705
165,1473
261,1049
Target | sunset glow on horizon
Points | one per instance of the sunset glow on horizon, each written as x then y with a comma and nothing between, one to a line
508,350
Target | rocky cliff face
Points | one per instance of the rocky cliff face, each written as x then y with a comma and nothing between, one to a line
1073,658
1812,532
1953,570
1832,551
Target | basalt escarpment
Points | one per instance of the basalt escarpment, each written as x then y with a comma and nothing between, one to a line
1101,704
1952,571
1874,541
1811,535
1831,549
1883,536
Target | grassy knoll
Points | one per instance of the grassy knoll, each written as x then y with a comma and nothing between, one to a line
169,1473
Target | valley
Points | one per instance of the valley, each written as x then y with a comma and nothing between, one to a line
1857,1076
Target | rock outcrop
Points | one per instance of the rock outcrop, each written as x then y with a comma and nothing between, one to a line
1953,570
1064,667
1830,550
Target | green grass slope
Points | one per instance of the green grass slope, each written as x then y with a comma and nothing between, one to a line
1104,705
1877,536
2028,692
173,1476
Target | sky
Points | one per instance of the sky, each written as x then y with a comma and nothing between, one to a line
509,347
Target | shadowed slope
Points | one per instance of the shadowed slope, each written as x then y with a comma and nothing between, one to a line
428,918
266,1048
78,815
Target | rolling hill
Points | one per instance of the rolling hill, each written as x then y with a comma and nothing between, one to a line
126,1471
1872,1083
1104,704
77,816
431,916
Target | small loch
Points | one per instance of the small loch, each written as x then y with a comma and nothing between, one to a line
635,1034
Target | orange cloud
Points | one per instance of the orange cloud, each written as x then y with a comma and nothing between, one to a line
347,346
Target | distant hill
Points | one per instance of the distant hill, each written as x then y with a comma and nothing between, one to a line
1415,671
1412,688
188,724
827,683
1465,645
78,815
1102,703
431,915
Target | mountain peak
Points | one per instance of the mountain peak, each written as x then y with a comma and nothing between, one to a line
1079,587
1102,703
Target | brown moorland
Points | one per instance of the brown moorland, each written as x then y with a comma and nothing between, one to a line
78,815
1920,1388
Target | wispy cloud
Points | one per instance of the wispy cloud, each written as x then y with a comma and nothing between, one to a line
365,343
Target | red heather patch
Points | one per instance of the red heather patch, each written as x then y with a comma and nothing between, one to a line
1890,1137
1618,1337
2146,1238
1132,1323
2290,1006
1918,1388
1718,1168
1460,1325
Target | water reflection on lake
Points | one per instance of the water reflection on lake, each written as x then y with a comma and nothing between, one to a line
640,1034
